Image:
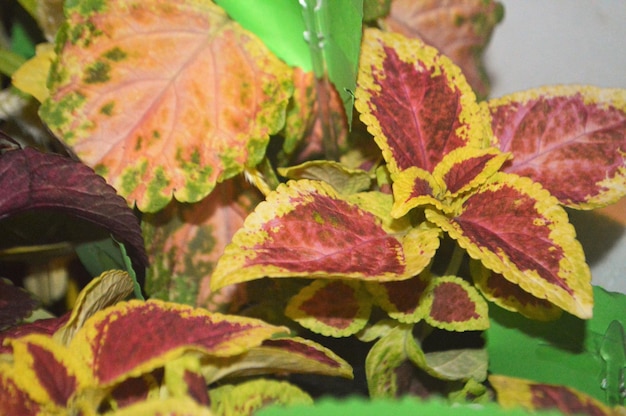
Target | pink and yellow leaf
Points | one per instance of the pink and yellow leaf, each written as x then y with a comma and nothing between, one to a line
510,296
451,303
336,308
146,118
415,102
532,396
134,338
571,139
517,229
305,229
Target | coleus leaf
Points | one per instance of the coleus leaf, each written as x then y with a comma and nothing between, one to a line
293,355
141,116
13,399
121,344
458,364
184,242
345,180
401,299
571,139
101,292
15,304
172,406
50,373
526,237
514,392
420,110
460,29
337,308
305,229
247,398
384,358
42,181
510,296
451,303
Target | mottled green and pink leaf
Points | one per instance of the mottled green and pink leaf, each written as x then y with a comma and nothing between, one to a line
134,92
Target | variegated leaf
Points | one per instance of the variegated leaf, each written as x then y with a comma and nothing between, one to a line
513,392
15,304
280,355
13,399
458,364
419,108
337,308
247,398
516,228
460,29
451,303
401,299
133,338
172,406
385,359
50,372
305,229
511,296
184,242
345,180
571,139
133,91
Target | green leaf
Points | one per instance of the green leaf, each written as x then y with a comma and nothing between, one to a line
344,180
458,364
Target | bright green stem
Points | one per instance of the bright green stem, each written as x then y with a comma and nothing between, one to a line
314,19
455,261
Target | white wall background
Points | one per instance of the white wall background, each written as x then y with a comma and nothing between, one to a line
546,42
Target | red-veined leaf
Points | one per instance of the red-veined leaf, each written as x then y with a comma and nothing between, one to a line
135,337
337,308
32,180
401,299
571,139
15,304
516,228
514,392
134,91
247,398
184,242
460,29
306,229
451,303
49,371
13,399
511,296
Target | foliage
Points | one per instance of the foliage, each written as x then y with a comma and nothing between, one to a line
401,228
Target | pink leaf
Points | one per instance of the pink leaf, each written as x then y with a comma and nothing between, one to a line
572,140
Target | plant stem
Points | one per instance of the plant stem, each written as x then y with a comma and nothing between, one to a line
455,261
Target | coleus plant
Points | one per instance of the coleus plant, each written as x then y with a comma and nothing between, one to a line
368,229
